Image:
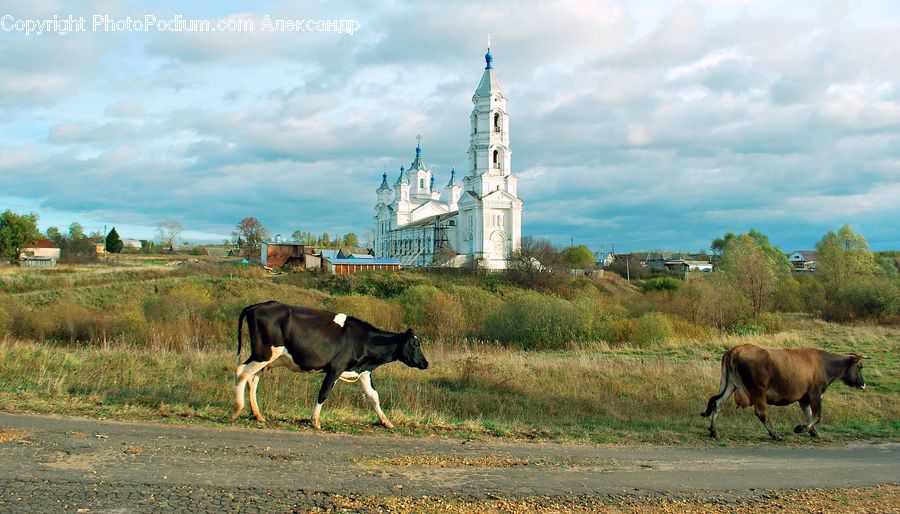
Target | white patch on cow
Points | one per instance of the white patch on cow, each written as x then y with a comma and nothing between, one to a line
282,357
349,376
340,319
863,387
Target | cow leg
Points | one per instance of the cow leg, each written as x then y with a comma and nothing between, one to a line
807,413
254,405
243,374
365,380
331,377
816,416
715,404
762,413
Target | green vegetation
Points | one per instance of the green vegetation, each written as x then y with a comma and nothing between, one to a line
114,243
590,359
16,232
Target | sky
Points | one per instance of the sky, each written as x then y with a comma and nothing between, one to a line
633,125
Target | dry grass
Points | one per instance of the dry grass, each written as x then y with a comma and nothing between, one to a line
870,499
592,393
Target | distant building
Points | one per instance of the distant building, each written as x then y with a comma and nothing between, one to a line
476,220
348,266
44,253
132,244
803,260
276,255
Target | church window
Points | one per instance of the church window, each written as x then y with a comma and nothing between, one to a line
421,183
496,122
496,159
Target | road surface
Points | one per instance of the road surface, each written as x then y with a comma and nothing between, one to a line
51,463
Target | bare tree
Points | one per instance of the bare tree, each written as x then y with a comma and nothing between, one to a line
249,235
168,231
536,264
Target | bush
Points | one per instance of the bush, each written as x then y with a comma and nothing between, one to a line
383,314
533,321
661,284
477,305
188,300
415,305
652,328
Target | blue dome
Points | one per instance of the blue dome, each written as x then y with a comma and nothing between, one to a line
418,151
489,60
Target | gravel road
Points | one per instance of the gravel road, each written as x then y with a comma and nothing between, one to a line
53,464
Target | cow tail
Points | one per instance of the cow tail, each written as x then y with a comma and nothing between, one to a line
726,369
240,327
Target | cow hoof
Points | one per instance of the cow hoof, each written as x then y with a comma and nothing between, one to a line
776,437
316,425
799,429
261,419
814,433
388,425
713,434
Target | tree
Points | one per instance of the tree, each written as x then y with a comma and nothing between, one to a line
114,244
842,258
350,240
578,257
718,244
325,241
16,233
248,236
168,231
299,236
748,269
536,264
54,235
76,231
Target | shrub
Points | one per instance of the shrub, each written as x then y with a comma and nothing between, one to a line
661,284
383,314
538,321
187,300
447,319
477,305
652,328
415,304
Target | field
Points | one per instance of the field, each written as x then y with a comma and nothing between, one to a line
149,341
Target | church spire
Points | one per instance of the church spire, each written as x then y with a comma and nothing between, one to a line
488,58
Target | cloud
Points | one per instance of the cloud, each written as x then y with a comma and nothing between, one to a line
633,124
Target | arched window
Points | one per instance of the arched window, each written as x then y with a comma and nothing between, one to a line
496,122
496,159
421,183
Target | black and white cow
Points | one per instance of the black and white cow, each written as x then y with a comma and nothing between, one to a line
304,339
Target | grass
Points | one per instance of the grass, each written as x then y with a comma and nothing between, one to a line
137,341
594,394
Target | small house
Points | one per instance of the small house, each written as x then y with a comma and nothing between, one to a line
43,253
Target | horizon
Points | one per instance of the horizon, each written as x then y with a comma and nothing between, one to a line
635,125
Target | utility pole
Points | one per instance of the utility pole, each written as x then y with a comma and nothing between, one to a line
627,269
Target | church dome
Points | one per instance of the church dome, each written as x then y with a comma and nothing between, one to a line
489,60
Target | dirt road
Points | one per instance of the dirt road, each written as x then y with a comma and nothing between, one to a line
52,464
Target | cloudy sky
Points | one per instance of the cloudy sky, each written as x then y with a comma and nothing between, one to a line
639,124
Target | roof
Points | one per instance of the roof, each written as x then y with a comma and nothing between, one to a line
489,84
806,254
330,253
361,256
364,262
430,220
43,243
283,243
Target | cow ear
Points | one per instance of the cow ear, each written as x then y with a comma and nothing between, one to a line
409,332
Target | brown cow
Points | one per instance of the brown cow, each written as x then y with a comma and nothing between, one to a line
761,376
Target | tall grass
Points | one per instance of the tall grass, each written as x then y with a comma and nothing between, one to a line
595,392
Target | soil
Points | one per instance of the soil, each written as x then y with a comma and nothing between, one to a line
53,464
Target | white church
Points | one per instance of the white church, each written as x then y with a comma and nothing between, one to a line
476,221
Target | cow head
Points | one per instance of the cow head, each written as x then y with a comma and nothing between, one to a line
411,351
853,375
